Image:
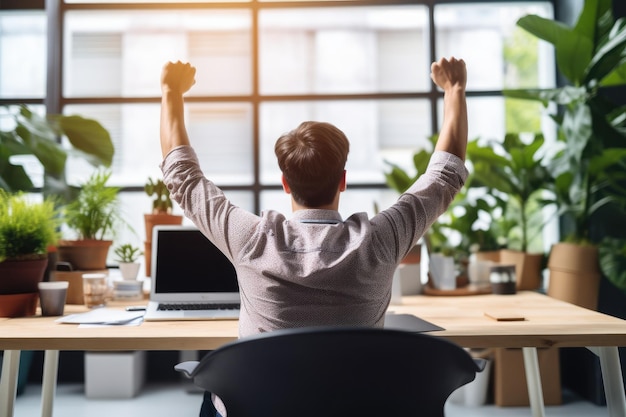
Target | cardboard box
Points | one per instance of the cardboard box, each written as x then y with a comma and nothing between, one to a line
114,374
75,288
510,387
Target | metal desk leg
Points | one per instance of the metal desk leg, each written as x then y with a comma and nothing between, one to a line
49,383
533,379
8,382
612,378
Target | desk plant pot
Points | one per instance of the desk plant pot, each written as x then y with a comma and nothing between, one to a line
18,286
27,229
574,274
84,254
127,256
93,217
161,215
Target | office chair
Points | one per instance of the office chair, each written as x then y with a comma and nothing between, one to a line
334,371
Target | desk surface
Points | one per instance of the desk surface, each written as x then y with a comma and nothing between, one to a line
548,322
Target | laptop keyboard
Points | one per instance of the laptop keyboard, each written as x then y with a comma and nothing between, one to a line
197,306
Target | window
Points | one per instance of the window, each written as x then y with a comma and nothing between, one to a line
262,68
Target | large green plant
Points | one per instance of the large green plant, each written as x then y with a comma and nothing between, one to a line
39,136
590,167
514,168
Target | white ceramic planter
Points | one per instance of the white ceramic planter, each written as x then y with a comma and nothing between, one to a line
129,270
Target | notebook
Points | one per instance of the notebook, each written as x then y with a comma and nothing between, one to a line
191,278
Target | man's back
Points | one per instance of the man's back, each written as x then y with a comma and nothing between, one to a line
313,269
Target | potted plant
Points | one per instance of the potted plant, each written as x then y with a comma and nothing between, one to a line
589,166
93,216
127,256
27,228
514,169
161,214
41,137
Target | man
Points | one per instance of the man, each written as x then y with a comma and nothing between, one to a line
313,268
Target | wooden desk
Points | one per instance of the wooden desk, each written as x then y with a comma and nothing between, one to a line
548,322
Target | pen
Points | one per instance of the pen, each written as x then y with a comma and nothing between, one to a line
136,308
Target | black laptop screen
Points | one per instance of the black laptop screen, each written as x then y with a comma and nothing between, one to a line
187,262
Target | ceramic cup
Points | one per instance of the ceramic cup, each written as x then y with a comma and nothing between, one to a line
52,297
95,289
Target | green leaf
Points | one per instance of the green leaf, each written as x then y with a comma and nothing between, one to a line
50,153
398,179
609,56
612,253
573,49
90,137
617,76
564,95
13,177
577,127
589,22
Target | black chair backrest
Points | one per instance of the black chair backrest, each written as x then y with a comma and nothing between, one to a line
335,372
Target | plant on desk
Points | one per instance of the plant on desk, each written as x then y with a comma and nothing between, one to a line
27,228
127,256
161,214
93,216
513,169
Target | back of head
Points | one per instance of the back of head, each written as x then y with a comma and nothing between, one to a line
312,158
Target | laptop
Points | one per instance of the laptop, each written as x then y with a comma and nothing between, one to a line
191,278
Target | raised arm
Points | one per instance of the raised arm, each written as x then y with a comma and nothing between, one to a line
451,76
176,79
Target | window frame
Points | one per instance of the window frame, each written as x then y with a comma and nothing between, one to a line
55,102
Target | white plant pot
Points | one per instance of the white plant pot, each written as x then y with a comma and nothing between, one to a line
442,271
406,281
129,270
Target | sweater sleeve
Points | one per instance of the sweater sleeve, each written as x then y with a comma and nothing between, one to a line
420,206
229,227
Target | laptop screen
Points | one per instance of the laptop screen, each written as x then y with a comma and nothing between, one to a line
187,262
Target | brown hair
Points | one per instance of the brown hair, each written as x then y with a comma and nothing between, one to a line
312,158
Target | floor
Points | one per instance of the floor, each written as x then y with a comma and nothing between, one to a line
173,399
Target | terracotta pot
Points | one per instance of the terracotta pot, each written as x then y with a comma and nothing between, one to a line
570,257
527,268
19,305
147,254
574,274
151,220
18,277
86,254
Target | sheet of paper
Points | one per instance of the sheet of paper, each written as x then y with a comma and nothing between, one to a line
133,322
109,316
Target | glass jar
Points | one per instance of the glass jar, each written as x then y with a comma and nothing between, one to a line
502,278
